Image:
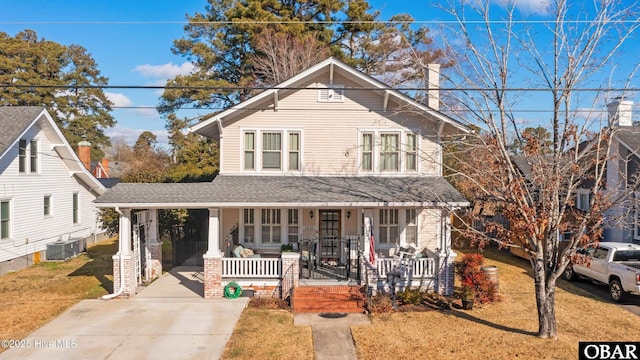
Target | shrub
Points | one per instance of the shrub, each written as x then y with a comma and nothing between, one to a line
380,303
410,296
473,279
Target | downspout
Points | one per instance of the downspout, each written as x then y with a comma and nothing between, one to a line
120,251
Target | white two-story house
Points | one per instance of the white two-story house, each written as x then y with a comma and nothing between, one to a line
46,194
331,161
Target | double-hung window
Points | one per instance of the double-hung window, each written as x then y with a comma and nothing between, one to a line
271,226
249,150
5,219
33,155
294,224
46,210
367,151
22,156
411,155
76,208
411,228
271,150
248,226
294,151
389,152
388,226
582,199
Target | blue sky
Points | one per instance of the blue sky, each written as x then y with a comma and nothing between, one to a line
131,42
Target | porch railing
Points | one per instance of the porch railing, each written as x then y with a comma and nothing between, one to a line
266,268
413,268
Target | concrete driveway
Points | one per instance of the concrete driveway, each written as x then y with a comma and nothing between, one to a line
167,320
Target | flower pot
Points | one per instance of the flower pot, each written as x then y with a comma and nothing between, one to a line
467,304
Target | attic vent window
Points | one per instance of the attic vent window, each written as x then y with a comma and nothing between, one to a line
331,94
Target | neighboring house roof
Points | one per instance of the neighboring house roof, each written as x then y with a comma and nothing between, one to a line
629,136
212,126
109,182
234,191
15,121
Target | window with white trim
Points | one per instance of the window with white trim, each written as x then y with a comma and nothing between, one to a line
389,152
22,156
411,152
388,226
367,151
294,151
249,150
248,226
271,150
411,228
76,208
582,199
46,208
271,226
33,156
5,219
293,225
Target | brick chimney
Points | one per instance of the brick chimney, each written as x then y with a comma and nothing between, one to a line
84,153
620,112
105,166
433,86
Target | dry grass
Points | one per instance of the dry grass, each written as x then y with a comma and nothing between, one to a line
35,295
503,330
269,334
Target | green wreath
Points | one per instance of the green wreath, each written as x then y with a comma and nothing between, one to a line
237,292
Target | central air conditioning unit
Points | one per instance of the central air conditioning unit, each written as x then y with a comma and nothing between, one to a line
64,250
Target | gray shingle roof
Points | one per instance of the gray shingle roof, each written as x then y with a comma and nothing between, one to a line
310,190
14,120
630,135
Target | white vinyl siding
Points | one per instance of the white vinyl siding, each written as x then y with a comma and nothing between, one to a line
5,219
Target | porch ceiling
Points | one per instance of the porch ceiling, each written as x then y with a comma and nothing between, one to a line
289,191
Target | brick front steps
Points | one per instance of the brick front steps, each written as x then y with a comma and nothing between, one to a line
328,299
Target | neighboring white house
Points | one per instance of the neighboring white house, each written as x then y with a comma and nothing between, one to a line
623,173
322,161
46,194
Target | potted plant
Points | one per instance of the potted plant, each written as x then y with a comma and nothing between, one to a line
468,296
286,247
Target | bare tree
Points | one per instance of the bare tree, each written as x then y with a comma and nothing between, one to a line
280,56
536,195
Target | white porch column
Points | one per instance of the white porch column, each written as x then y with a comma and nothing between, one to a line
213,245
368,224
125,232
154,244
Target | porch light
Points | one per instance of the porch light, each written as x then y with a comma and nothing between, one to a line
311,214
348,214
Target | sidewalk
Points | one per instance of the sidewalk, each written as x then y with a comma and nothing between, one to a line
332,338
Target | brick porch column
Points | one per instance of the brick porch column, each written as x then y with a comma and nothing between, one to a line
290,277
213,287
130,283
445,273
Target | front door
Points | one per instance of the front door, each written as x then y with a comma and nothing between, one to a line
329,235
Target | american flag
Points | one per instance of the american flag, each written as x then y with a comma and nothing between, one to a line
372,246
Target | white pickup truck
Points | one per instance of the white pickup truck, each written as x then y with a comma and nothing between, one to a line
613,263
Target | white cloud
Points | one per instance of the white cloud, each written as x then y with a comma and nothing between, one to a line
540,7
147,112
118,100
164,71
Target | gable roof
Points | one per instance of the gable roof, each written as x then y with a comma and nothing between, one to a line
15,121
629,136
213,124
313,191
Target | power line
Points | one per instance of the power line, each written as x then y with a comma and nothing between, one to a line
324,22
251,88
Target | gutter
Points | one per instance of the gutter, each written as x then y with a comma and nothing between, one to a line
120,252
